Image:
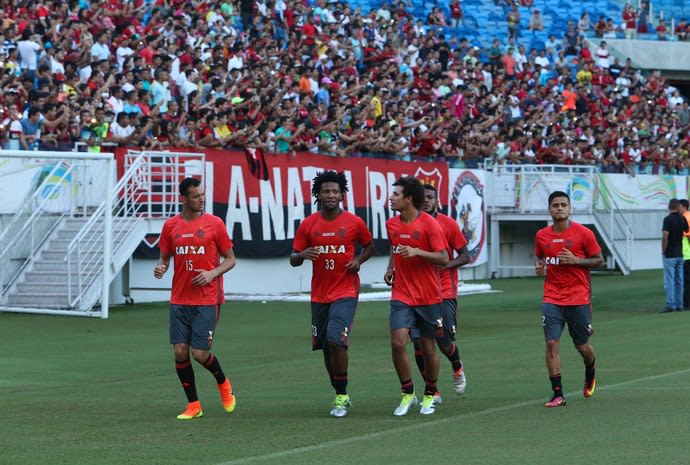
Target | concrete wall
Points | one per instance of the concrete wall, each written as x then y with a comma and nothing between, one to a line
645,54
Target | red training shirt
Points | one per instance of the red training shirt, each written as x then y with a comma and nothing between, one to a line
195,245
566,284
416,281
331,280
456,241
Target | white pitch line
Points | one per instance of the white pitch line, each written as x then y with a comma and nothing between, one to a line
378,434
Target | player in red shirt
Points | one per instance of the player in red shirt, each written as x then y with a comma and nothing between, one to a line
197,241
565,252
449,291
418,248
328,238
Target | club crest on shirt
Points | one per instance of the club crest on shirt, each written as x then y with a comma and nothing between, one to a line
341,232
200,233
416,235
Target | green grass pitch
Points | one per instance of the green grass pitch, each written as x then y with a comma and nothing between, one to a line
104,392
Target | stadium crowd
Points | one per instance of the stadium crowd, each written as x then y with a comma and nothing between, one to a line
309,75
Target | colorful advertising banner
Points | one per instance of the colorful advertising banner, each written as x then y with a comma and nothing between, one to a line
642,192
20,178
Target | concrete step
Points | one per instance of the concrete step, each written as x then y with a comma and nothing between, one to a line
41,288
53,255
49,266
118,230
52,300
54,277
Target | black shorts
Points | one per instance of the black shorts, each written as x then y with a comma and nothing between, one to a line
578,317
332,322
449,313
194,325
423,320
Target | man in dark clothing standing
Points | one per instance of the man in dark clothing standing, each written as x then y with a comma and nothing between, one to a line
246,14
671,247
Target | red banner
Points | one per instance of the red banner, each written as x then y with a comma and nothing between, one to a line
262,214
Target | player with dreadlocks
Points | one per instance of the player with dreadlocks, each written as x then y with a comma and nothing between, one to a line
328,238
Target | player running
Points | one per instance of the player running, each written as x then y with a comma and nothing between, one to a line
197,241
449,291
418,248
329,238
565,252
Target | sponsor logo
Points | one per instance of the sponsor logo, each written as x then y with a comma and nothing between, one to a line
331,249
552,261
190,250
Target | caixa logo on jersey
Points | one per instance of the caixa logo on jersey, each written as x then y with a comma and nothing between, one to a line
331,249
190,250
552,261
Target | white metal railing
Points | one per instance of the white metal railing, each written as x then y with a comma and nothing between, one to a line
89,252
143,192
532,186
613,223
166,170
31,225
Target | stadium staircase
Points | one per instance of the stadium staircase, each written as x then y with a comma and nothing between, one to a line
520,193
62,262
68,268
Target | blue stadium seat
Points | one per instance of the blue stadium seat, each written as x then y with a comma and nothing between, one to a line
537,44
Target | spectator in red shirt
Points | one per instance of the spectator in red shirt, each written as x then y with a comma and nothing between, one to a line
681,31
455,13
661,30
308,33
